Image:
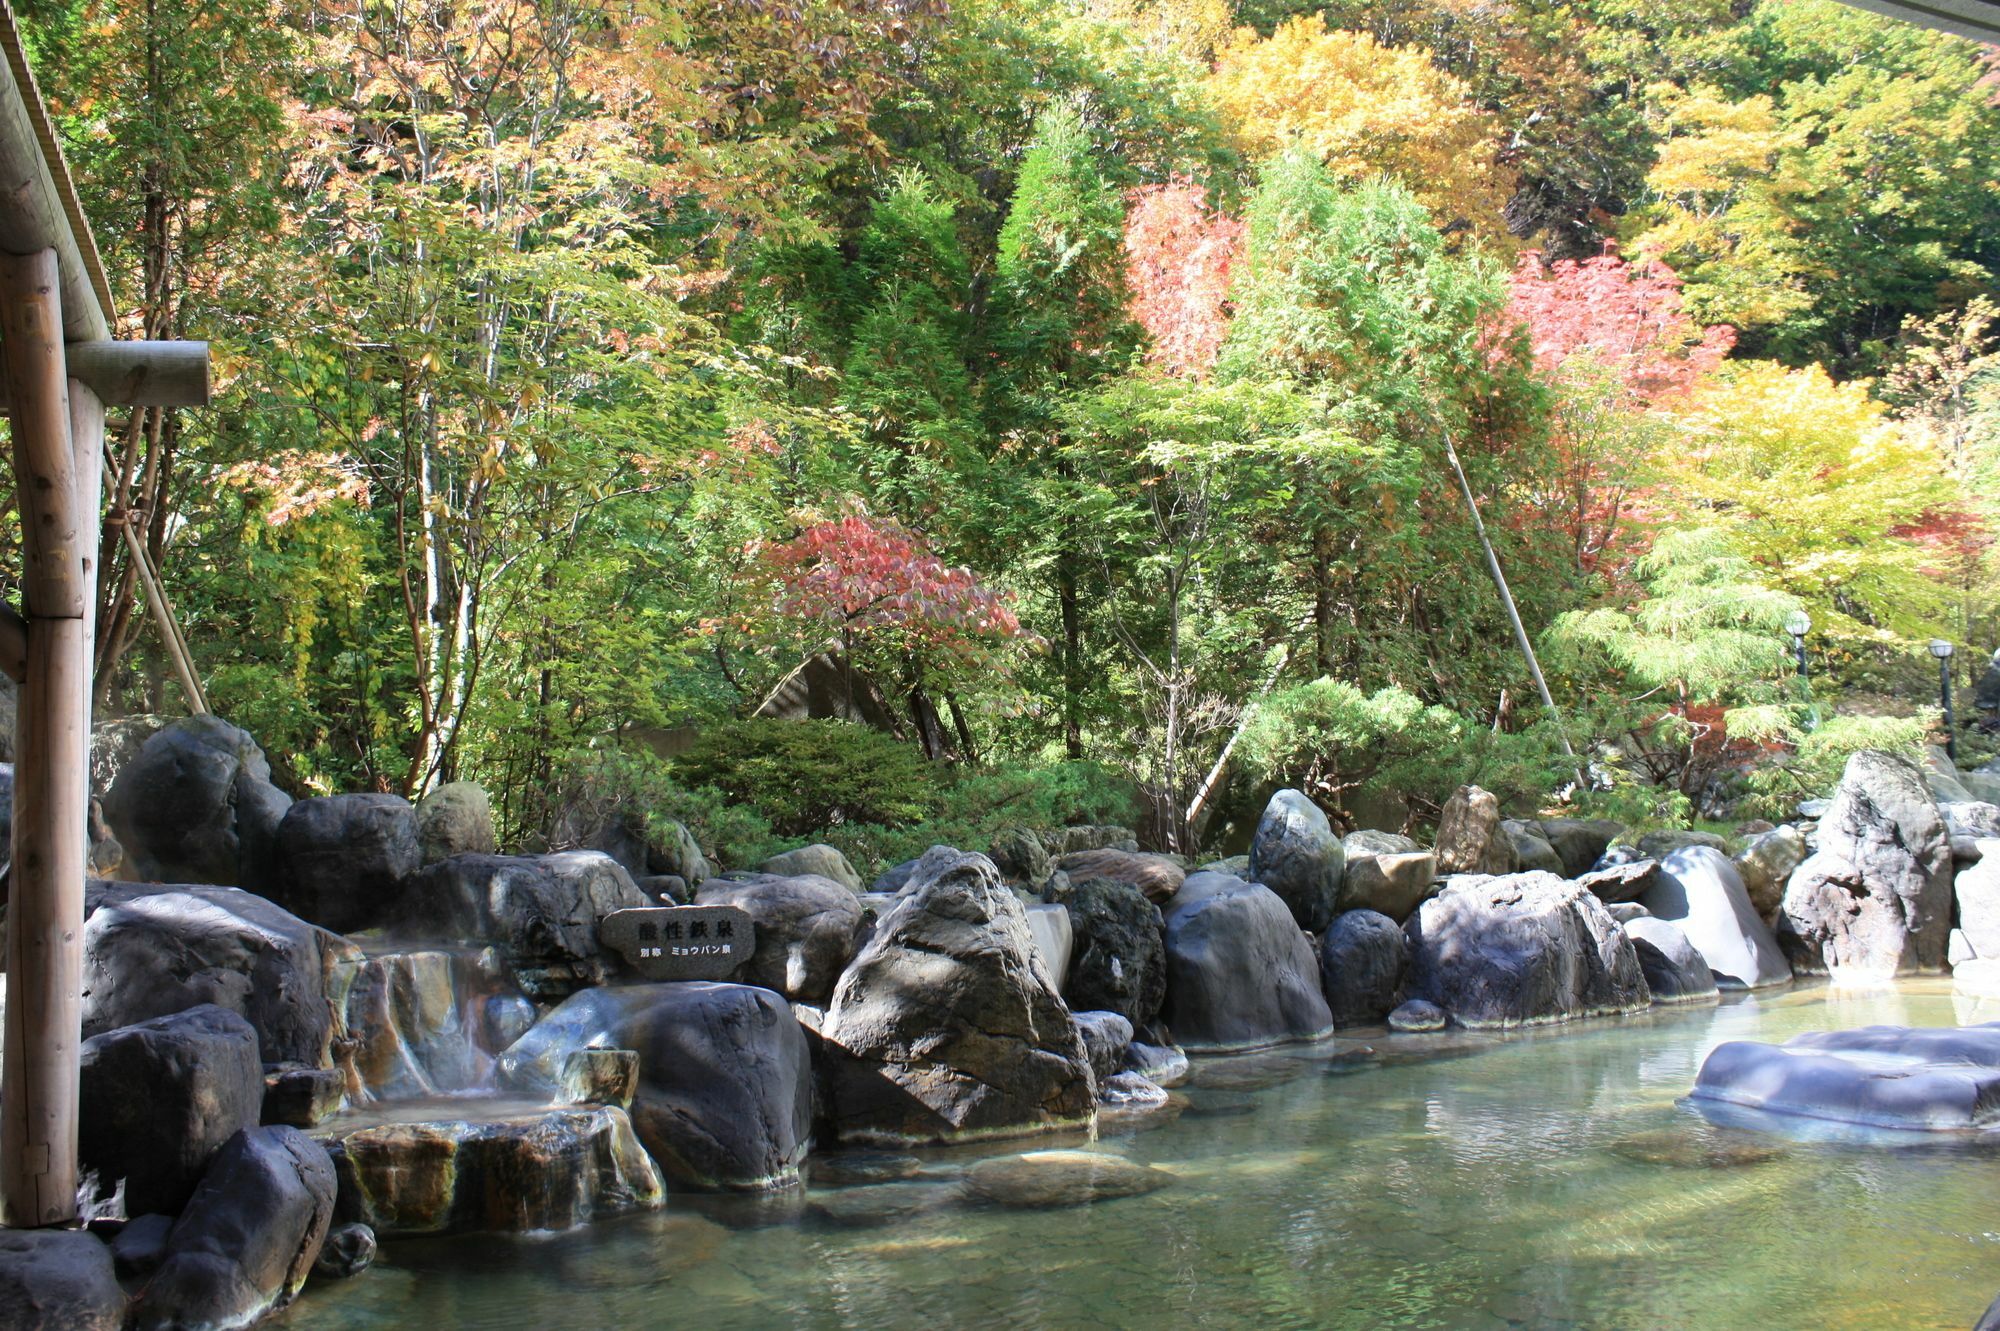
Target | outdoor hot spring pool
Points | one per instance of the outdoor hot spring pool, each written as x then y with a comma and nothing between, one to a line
1545,1179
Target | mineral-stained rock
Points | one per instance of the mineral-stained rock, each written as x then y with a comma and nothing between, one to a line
1297,856
1469,837
1698,891
455,819
159,1098
1522,949
1362,960
1934,1079
725,1075
1875,899
1675,972
1119,958
1240,973
1106,1036
418,1023
1765,865
825,861
248,1238
1393,885
1042,1179
446,1167
806,927
1418,1017
299,1097
343,859
196,805
541,911
152,950
949,1024
58,1280
1155,875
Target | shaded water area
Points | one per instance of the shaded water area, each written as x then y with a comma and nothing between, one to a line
1546,1179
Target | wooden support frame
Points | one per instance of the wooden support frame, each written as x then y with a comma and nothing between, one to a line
140,374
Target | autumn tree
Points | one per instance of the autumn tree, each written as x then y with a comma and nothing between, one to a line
1178,258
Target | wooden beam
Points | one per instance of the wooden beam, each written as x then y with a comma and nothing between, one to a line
44,949
142,374
32,215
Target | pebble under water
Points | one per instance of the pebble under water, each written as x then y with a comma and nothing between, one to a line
1546,1179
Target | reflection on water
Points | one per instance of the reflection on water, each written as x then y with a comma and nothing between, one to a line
1544,1180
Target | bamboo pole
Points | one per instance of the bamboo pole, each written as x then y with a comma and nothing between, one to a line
44,948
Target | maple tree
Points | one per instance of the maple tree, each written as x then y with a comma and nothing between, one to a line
1178,258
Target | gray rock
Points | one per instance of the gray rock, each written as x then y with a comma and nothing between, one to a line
1155,875
249,1237
1979,821
1054,936
1934,1079
1659,845
1943,778
1128,1093
1626,911
949,1023
1977,889
1875,899
1469,838
1362,960
1982,786
1532,851
455,819
153,950
1813,810
58,1280
1119,961
667,889
138,1249
343,859
1297,856
1236,866
892,880
1106,1036
725,1075
1579,842
1240,974
1069,840
1370,842
1765,865
1163,1065
114,742
1522,949
1417,1017
196,805
1021,858
541,911
1675,972
822,860
1698,890
159,1098
1624,881
676,852
1389,884
807,927
348,1251
1958,950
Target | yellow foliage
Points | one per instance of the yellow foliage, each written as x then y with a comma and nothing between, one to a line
1367,109
1192,28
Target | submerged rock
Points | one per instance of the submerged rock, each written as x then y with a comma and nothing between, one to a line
1522,949
440,1167
196,805
1875,899
348,1251
58,1280
1699,891
807,926
1240,973
725,1090
1164,1065
248,1238
1362,961
1039,1180
1118,962
1936,1079
949,1023
1297,856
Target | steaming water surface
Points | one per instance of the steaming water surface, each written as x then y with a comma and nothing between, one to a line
1539,1180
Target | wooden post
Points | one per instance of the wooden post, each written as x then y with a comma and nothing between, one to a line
44,1017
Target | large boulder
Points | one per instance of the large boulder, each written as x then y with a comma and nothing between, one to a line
196,805
455,819
343,859
1579,842
1155,875
1875,899
725,1075
1522,949
58,1280
822,860
159,1098
1362,961
1675,972
1532,850
503,1168
1069,840
1977,888
1368,841
949,1024
1765,865
150,951
541,911
1927,1079
1021,858
807,926
1297,856
1621,876
1470,838
1659,845
1118,957
1389,884
248,1238
1240,973
1698,890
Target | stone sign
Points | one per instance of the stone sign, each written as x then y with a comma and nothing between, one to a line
681,942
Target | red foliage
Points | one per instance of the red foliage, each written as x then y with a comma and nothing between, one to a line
1628,316
875,577
1178,255
1955,537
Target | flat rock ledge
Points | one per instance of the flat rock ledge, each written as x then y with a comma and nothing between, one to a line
1913,1079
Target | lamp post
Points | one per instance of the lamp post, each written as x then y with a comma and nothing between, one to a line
1798,624
1942,651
